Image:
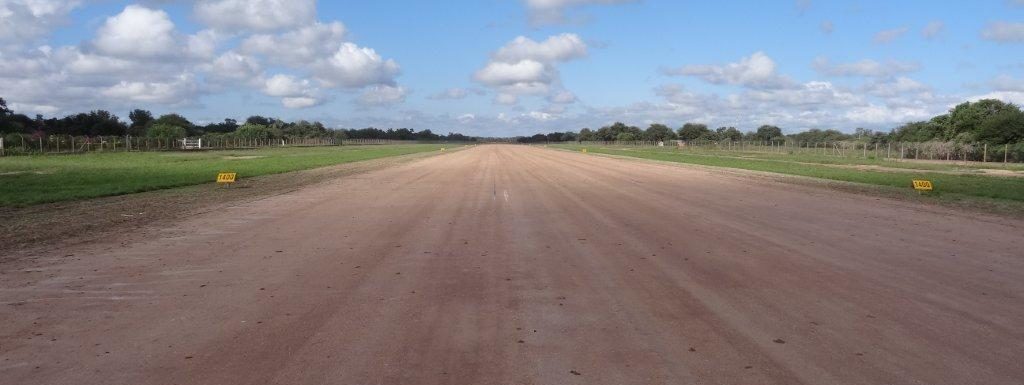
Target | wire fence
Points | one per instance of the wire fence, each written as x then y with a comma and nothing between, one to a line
924,151
17,144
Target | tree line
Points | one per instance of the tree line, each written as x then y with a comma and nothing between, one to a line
985,121
142,123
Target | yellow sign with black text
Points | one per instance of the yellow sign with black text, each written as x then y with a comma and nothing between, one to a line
922,185
226,177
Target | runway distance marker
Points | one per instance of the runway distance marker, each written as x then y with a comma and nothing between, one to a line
584,151
226,177
923,185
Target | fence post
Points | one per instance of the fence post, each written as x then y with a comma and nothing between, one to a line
984,157
1006,153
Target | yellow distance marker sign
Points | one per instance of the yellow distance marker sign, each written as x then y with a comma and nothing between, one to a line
584,151
226,177
923,185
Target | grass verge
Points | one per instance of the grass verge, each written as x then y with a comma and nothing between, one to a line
948,186
29,180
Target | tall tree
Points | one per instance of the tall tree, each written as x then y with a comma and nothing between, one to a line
174,120
256,119
1006,126
619,131
729,133
140,120
768,132
692,131
586,135
964,119
659,132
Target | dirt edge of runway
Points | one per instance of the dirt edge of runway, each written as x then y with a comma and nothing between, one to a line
38,228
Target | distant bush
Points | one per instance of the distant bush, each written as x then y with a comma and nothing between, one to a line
166,131
257,131
14,140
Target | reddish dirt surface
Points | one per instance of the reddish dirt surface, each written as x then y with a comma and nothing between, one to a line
520,265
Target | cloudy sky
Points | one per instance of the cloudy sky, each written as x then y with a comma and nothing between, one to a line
508,67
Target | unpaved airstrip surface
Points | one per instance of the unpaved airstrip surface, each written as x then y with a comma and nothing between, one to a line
503,264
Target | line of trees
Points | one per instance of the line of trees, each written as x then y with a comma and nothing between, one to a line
174,126
985,121
402,134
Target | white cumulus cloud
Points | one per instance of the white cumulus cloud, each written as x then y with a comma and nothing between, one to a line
382,95
300,46
354,67
137,32
755,71
527,67
255,15
286,85
29,19
558,48
236,67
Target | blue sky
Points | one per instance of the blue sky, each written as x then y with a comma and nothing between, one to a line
510,67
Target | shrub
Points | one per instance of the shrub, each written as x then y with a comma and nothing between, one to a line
257,131
166,131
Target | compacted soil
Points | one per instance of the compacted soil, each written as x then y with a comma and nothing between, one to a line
503,264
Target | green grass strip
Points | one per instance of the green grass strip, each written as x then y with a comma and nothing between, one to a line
994,187
29,180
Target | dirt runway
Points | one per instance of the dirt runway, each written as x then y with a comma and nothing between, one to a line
520,265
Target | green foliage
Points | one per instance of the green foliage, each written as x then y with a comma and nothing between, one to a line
1006,126
304,129
617,131
263,121
729,133
140,120
917,132
166,131
966,117
627,136
693,131
819,136
173,120
768,132
659,132
13,140
587,135
990,121
257,131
